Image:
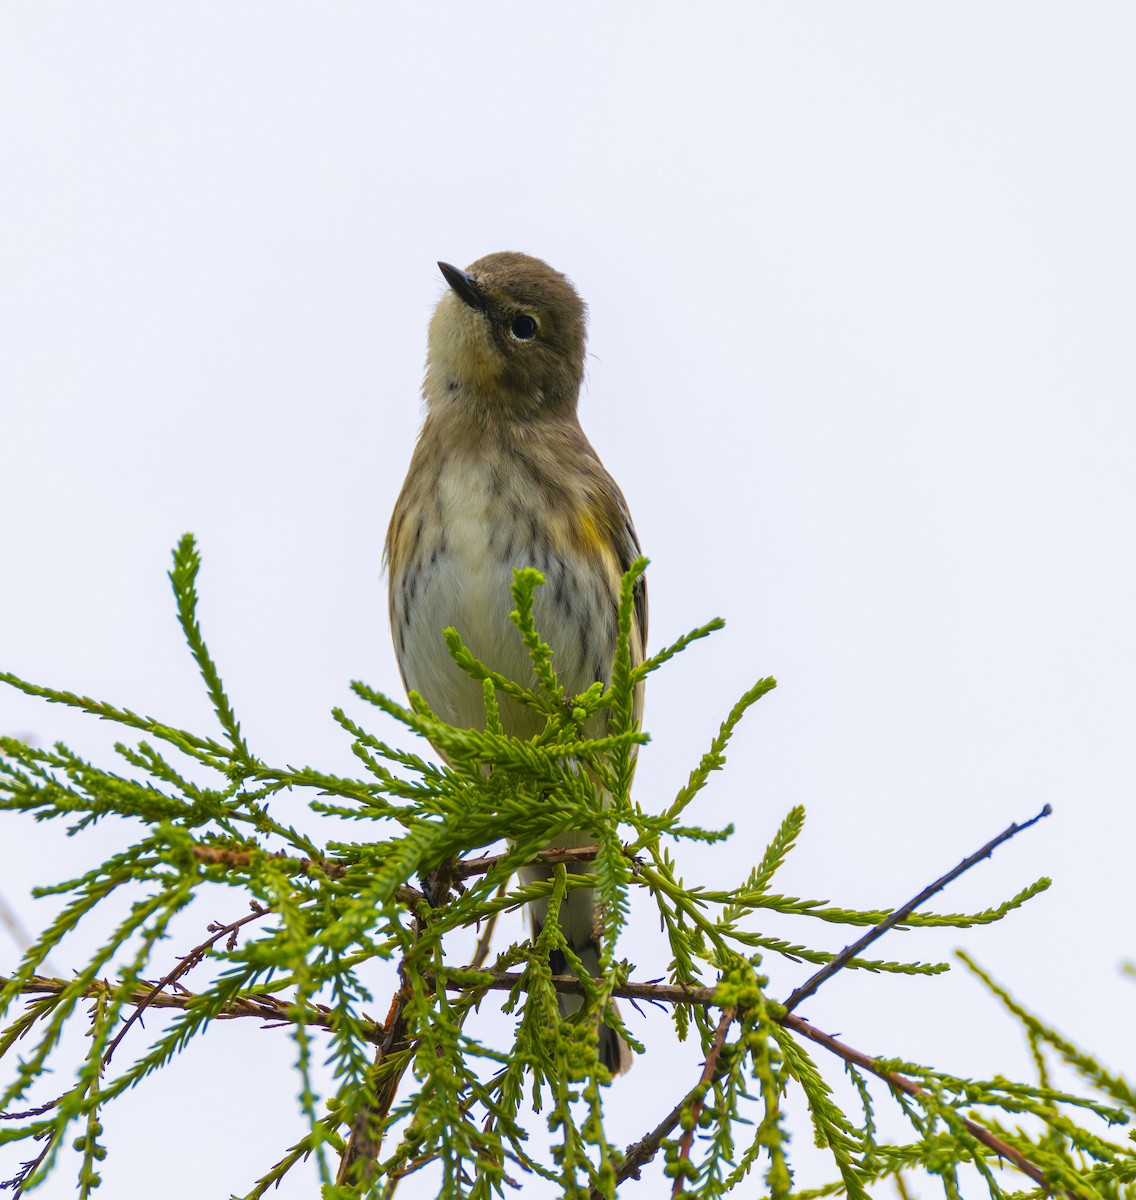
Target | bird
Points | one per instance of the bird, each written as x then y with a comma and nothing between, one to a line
503,477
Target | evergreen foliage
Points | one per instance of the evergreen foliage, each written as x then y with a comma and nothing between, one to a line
441,1091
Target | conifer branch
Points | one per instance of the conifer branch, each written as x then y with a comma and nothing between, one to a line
267,1007
228,856
391,1037
910,1088
640,1153
466,868
224,856
28,1168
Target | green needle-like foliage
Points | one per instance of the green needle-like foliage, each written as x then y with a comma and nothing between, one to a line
430,1087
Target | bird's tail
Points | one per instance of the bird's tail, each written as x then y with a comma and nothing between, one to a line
578,920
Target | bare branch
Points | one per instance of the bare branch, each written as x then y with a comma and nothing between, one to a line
14,925
485,938
187,963
896,918
357,1162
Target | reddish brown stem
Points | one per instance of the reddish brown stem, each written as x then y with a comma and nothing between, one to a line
709,1069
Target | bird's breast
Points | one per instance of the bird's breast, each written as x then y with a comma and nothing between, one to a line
459,544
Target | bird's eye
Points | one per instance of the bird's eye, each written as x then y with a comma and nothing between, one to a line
524,327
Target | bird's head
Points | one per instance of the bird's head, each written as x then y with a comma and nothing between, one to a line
508,337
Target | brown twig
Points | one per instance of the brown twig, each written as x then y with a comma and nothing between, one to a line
268,1008
273,1010
29,1167
50,1137
877,931
640,1153
224,856
187,963
709,1069
357,1162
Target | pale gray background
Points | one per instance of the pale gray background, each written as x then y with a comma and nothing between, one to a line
860,279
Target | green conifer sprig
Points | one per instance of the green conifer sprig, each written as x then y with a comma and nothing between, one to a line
1115,1086
444,1095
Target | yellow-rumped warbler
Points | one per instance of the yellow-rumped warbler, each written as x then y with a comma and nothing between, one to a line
503,477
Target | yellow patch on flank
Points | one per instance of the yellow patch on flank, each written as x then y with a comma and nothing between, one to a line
583,534
587,535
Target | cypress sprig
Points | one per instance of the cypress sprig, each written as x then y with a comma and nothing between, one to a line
1115,1086
183,577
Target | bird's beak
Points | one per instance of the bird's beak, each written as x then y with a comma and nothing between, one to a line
464,284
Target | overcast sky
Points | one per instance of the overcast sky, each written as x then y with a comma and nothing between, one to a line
860,282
